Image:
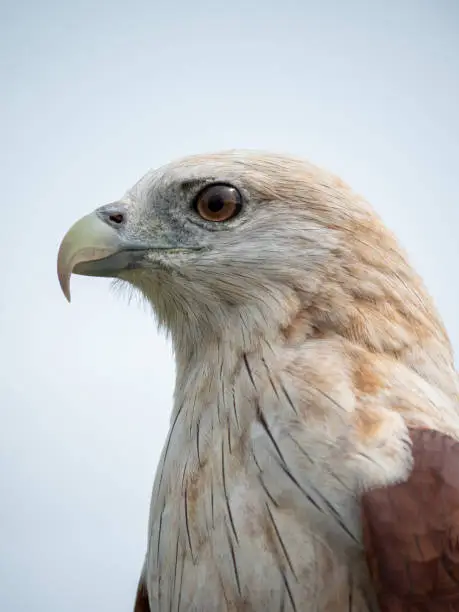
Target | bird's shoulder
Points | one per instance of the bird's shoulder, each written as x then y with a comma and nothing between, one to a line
411,529
141,602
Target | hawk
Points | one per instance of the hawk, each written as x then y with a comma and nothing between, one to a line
312,461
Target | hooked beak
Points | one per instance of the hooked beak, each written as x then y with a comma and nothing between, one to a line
94,246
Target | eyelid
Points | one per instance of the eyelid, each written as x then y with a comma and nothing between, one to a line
195,185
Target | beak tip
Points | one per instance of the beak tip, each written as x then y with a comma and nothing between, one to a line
64,282
66,292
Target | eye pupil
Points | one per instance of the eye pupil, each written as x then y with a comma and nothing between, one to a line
215,204
218,203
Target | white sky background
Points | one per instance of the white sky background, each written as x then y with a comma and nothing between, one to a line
93,94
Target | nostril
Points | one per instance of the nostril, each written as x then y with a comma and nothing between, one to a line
113,214
116,218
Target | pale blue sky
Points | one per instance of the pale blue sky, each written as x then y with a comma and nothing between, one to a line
93,95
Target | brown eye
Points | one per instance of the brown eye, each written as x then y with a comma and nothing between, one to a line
218,203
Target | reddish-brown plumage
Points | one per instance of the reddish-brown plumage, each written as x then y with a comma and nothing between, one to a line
411,531
141,600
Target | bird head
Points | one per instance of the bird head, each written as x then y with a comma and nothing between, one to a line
242,243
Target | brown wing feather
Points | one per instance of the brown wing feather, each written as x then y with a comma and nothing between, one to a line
141,600
411,531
